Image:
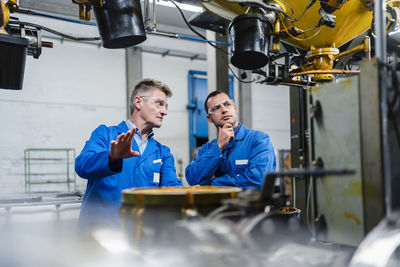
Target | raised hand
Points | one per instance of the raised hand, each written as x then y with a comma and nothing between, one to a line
225,134
122,147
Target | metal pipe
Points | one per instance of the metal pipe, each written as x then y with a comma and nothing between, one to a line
146,12
154,25
380,54
290,82
34,13
312,72
165,34
351,51
380,31
47,44
201,40
365,46
178,36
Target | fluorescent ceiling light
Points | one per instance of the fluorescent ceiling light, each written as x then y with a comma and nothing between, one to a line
182,6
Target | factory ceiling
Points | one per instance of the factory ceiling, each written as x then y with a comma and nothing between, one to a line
167,18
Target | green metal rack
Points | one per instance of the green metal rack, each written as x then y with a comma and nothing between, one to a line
49,166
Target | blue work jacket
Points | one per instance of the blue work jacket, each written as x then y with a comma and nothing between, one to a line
102,199
244,162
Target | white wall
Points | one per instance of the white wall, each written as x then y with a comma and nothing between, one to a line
67,92
271,113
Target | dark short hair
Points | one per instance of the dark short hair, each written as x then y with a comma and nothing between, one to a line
145,87
213,93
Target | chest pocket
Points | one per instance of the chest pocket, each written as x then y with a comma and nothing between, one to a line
240,166
154,170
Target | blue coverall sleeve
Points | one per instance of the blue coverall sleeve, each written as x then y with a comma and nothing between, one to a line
168,171
261,161
203,167
92,163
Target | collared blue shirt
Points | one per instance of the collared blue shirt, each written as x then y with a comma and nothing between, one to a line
237,128
142,144
244,162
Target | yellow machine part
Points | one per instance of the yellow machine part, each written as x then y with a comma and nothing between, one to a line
4,16
352,20
5,7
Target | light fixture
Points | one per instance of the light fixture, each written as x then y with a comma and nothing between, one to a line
182,6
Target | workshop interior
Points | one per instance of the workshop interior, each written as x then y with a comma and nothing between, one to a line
320,76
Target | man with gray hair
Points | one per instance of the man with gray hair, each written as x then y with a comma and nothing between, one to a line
125,156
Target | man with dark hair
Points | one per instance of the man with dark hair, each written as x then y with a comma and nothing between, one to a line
125,156
238,157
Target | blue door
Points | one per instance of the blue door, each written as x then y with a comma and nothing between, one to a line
198,124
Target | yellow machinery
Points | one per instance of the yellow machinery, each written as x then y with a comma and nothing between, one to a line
5,13
318,27
352,19
154,208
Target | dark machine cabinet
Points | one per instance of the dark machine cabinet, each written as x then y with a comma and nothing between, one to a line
336,126
299,136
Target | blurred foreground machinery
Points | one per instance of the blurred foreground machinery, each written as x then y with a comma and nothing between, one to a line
249,228
246,227
345,106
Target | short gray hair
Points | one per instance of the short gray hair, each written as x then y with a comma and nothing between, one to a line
146,87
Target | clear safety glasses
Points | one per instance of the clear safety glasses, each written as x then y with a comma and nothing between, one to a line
158,102
217,107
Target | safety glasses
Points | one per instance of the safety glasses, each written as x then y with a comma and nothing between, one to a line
158,102
217,107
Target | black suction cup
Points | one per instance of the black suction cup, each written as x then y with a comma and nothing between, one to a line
120,23
12,61
249,37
